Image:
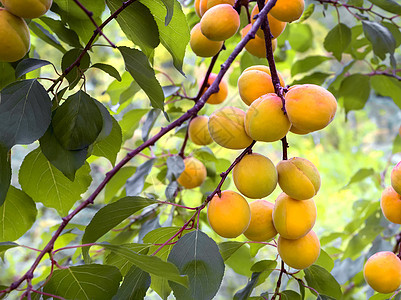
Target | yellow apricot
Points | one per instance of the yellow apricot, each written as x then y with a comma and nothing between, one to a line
396,178
28,9
276,27
194,173
211,3
261,227
202,46
200,5
254,82
256,46
382,271
310,107
14,37
298,178
288,10
255,176
198,131
228,215
265,120
226,126
220,22
298,131
300,253
221,95
293,218
390,204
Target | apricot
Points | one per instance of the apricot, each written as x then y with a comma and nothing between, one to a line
261,227
255,176
226,126
382,271
256,46
194,173
254,82
221,95
310,107
265,120
202,46
293,218
396,178
298,178
198,131
220,22
288,10
207,4
15,39
229,215
276,27
300,253
390,204
28,9
200,5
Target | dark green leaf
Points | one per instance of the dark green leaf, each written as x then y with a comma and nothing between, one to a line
74,76
388,5
85,282
228,248
77,122
322,281
380,37
107,121
170,10
17,215
95,6
46,36
28,65
244,293
136,183
337,40
5,173
117,183
290,295
45,183
65,34
7,74
265,268
138,66
197,255
307,64
388,87
134,286
360,175
149,123
355,91
108,69
111,145
25,112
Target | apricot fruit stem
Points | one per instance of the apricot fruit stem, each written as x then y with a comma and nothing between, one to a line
278,284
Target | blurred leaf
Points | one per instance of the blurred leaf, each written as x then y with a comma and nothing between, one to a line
130,122
317,78
28,65
95,6
355,91
175,166
134,286
307,13
265,268
244,293
65,34
241,261
108,69
322,281
388,87
117,182
204,154
149,123
46,36
301,37
7,74
325,261
74,76
228,248
396,144
5,172
169,90
111,145
360,175
290,295
4,246
388,5
307,64
337,40
380,37
135,184
335,82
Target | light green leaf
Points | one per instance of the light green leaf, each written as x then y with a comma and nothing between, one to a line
322,281
228,248
337,40
307,64
388,87
111,145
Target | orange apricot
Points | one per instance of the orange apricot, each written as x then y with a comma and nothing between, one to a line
396,178
276,27
300,253
198,131
256,46
202,46
288,10
261,227
229,215
211,3
255,176
382,271
200,5
220,22
221,95
390,203
28,9
194,173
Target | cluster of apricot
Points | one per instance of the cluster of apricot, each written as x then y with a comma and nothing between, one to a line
382,270
15,39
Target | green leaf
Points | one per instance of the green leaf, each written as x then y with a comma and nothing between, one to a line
84,282
325,261
95,6
244,293
111,145
265,268
45,183
228,248
360,175
355,91
107,121
121,262
149,123
77,122
174,36
388,5
134,286
322,281
197,255
108,69
65,34
7,74
290,295
121,91
130,121
117,182
169,4
307,13
4,246
136,183
380,37
337,40
28,65
25,112
138,24
5,172
46,36
396,145
17,215
307,64
74,76
138,66
317,78
301,37
388,87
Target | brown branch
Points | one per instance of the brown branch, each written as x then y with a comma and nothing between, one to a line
278,285
384,73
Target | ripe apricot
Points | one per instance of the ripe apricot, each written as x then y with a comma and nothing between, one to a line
261,227
390,204
276,27
265,120
256,46
202,46
310,107
255,176
194,173
396,178
229,215
221,95
254,82
293,218
226,126
300,253
288,10
200,5
220,22
298,178
14,37
198,131
210,3
382,271
28,9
